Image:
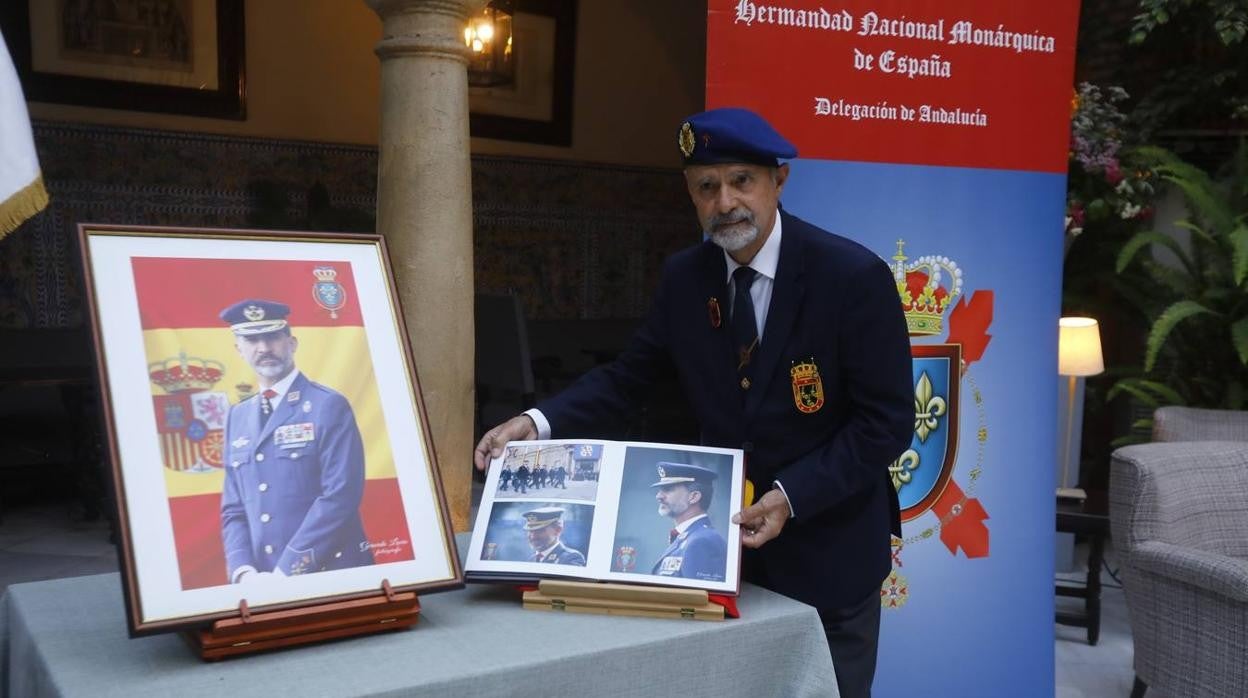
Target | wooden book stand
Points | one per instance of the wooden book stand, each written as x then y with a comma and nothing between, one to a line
259,632
622,599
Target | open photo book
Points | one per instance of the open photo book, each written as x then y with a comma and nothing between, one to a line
630,512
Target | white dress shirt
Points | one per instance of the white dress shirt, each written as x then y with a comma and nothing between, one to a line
281,387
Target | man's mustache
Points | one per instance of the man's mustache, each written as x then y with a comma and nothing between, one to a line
731,218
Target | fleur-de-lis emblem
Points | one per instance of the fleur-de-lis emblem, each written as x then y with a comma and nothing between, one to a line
928,408
901,469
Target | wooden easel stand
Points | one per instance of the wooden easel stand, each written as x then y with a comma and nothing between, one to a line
622,600
258,632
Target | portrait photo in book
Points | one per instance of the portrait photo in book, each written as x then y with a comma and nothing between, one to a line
674,514
555,533
265,422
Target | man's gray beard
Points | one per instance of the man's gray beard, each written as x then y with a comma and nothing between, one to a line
274,371
672,510
739,237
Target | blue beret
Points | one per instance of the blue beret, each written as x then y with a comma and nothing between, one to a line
682,473
730,134
255,316
541,518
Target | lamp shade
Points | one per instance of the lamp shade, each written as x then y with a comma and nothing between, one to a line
1079,347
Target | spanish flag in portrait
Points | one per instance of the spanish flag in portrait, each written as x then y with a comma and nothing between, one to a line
196,373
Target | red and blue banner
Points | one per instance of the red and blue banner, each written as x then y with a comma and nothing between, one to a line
936,133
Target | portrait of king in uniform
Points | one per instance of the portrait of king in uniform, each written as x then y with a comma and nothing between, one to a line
543,527
294,469
695,549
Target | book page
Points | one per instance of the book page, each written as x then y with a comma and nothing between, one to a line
606,510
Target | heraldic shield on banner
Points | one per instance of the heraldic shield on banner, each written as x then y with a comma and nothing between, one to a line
924,474
327,292
190,416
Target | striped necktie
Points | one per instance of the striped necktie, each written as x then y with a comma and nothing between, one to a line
266,402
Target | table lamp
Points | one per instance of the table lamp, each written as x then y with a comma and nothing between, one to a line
1078,355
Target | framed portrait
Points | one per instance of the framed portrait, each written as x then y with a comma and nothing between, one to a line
174,56
537,107
264,423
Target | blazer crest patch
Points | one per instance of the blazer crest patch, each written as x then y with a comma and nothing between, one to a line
807,386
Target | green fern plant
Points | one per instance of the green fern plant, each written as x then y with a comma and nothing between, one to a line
1196,352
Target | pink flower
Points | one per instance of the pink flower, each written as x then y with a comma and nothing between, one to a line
1113,174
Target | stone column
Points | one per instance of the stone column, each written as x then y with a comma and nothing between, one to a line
424,210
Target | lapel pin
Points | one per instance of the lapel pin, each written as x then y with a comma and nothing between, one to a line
712,307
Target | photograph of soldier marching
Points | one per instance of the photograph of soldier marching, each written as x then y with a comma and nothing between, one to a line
566,471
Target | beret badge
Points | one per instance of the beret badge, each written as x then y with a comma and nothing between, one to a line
686,139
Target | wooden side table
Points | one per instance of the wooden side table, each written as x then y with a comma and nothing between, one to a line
1087,517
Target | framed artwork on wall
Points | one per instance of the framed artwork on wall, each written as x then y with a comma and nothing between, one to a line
264,423
537,107
173,56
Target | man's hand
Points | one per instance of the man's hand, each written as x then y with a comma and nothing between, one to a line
519,428
763,520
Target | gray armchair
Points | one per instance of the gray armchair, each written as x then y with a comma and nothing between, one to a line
1179,519
1195,424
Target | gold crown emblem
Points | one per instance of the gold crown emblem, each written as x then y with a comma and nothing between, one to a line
185,373
804,371
686,140
253,313
325,273
924,299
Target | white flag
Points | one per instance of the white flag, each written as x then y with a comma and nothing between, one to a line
21,184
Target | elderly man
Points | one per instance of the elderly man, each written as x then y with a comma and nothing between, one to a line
791,345
695,549
295,472
543,526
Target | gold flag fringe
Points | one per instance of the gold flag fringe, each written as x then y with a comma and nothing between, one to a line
26,202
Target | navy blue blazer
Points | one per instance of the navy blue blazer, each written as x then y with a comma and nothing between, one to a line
834,303
293,484
700,552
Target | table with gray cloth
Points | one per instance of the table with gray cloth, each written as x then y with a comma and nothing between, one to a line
67,637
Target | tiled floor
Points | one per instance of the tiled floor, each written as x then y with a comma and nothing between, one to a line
51,540
1103,671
